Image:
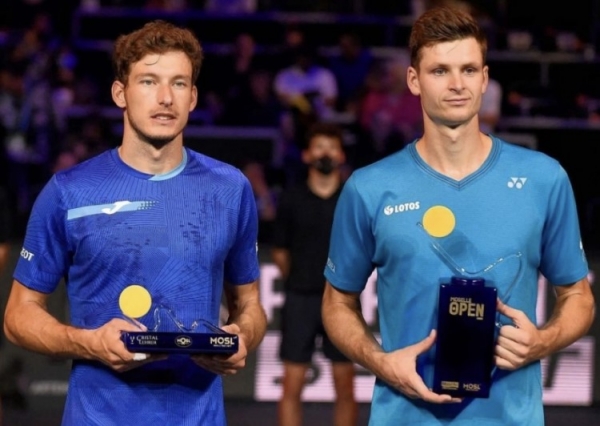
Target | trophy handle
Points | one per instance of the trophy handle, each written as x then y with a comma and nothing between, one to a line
437,247
180,325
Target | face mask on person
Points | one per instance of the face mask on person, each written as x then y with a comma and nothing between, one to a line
324,165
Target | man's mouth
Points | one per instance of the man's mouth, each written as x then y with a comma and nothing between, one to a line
163,116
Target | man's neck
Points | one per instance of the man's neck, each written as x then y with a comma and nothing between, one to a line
455,153
324,186
148,159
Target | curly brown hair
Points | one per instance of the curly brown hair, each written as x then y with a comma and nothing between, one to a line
155,37
443,24
320,128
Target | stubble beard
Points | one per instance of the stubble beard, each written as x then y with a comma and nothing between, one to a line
156,142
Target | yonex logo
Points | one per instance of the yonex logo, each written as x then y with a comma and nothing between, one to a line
330,264
517,182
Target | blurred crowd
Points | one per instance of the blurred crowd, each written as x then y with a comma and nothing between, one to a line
52,92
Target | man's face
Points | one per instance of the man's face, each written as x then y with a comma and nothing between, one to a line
158,97
321,146
450,80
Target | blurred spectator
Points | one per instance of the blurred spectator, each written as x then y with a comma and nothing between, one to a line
233,74
28,122
294,37
350,68
37,46
93,138
390,114
230,6
166,5
491,107
256,106
63,85
229,76
5,227
307,89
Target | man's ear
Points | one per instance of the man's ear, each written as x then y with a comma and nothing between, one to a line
194,101
486,78
118,94
412,80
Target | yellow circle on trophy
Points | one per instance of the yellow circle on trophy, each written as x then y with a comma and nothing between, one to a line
135,301
439,221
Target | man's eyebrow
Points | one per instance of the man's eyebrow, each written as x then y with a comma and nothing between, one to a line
154,75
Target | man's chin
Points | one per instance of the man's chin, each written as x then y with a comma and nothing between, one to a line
158,141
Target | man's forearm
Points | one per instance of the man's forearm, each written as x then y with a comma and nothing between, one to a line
571,319
246,311
30,326
347,329
253,324
281,258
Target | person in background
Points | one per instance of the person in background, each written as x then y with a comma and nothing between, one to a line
447,203
4,246
390,115
5,226
256,107
491,107
228,77
149,228
350,69
299,249
306,88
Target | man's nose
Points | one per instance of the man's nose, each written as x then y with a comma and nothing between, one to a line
165,95
456,82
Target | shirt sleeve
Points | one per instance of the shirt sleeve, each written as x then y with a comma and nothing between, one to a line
241,264
352,243
44,259
563,258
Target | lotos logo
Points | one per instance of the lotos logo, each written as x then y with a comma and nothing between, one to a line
25,254
399,208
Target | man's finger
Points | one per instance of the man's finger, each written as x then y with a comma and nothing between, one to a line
515,315
425,344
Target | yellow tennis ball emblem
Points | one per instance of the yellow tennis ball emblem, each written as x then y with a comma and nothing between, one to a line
439,221
135,301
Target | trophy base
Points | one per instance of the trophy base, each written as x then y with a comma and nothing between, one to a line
180,343
465,339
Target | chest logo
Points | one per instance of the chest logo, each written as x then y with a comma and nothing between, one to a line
399,208
115,207
517,182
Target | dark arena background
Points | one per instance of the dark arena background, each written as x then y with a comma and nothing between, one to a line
545,62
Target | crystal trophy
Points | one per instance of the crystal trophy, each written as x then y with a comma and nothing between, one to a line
466,327
200,337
